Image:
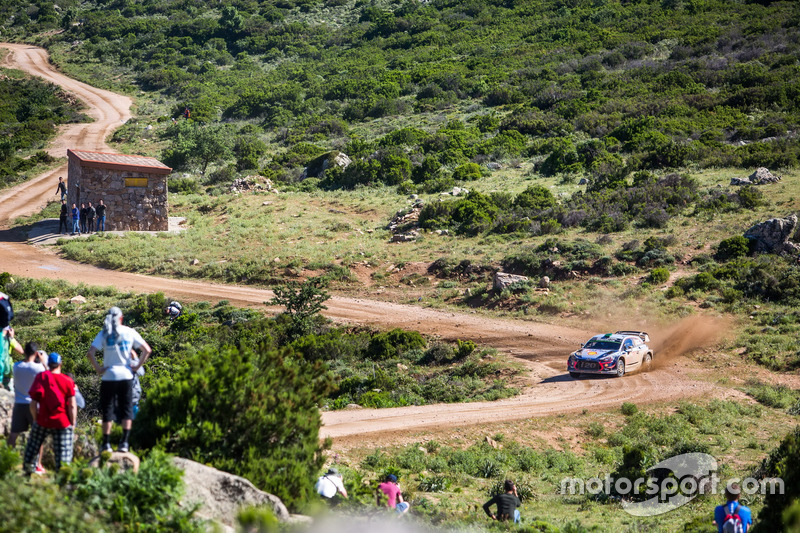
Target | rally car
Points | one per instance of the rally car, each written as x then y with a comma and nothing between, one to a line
612,354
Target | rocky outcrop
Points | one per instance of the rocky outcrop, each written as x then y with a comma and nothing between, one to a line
125,460
772,236
761,176
6,407
221,495
503,280
316,168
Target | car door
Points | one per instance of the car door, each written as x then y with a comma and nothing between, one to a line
632,355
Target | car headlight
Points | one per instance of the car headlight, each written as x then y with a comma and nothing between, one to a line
606,359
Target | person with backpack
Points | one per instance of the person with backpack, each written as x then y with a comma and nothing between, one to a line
732,517
329,485
54,412
117,342
25,372
7,343
90,214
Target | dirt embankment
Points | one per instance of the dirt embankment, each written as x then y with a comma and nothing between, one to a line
542,348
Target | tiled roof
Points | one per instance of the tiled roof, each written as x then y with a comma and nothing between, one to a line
120,161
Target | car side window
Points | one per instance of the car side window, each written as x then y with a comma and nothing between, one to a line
628,344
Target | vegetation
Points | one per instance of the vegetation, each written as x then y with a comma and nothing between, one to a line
30,112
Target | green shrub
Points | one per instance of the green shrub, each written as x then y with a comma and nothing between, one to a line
781,463
629,409
738,246
467,172
659,275
777,396
393,343
274,438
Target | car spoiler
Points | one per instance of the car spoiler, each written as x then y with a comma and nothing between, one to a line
641,334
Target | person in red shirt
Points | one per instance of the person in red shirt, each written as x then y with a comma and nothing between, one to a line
54,410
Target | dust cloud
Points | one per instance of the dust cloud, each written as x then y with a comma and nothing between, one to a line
686,336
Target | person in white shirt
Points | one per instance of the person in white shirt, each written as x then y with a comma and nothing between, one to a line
329,484
24,373
116,388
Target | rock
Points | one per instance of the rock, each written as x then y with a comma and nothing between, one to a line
741,181
762,175
58,313
77,300
458,191
503,280
6,408
494,166
317,167
404,237
195,261
442,232
268,202
583,181
772,236
221,495
544,283
467,292
52,303
401,366
353,406
493,443
125,460
423,450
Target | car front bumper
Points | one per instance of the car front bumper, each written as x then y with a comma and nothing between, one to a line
582,366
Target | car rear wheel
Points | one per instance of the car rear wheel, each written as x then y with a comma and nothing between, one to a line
647,363
620,368
575,375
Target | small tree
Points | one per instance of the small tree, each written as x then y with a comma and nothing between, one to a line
303,301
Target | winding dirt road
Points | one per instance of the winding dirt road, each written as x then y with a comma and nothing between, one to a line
541,348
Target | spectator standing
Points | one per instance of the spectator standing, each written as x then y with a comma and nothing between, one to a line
75,220
62,218
7,343
90,214
83,214
25,372
329,485
101,216
117,342
54,411
733,516
62,188
507,504
390,490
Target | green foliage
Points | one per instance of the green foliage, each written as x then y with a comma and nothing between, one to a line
9,460
258,520
781,463
777,396
274,438
733,247
659,275
303,301
392,343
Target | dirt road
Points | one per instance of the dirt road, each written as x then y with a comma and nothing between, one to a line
542,348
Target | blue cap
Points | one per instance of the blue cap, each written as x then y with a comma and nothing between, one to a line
392,478
54,359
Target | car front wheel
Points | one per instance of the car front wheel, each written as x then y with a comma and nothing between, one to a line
620,368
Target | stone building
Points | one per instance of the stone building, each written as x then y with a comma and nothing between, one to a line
134,188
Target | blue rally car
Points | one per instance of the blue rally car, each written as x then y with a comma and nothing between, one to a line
612,354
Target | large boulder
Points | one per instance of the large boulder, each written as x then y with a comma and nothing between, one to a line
763,175
316,167
221,495
772,236
503,280
6,408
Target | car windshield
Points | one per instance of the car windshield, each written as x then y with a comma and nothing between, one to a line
602,345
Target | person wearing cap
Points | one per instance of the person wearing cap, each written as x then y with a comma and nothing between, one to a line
329,484
391,493
117,342
54,412
7,343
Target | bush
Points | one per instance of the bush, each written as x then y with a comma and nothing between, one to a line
659,275
393,343
738,246
781,463
274,438
629,409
